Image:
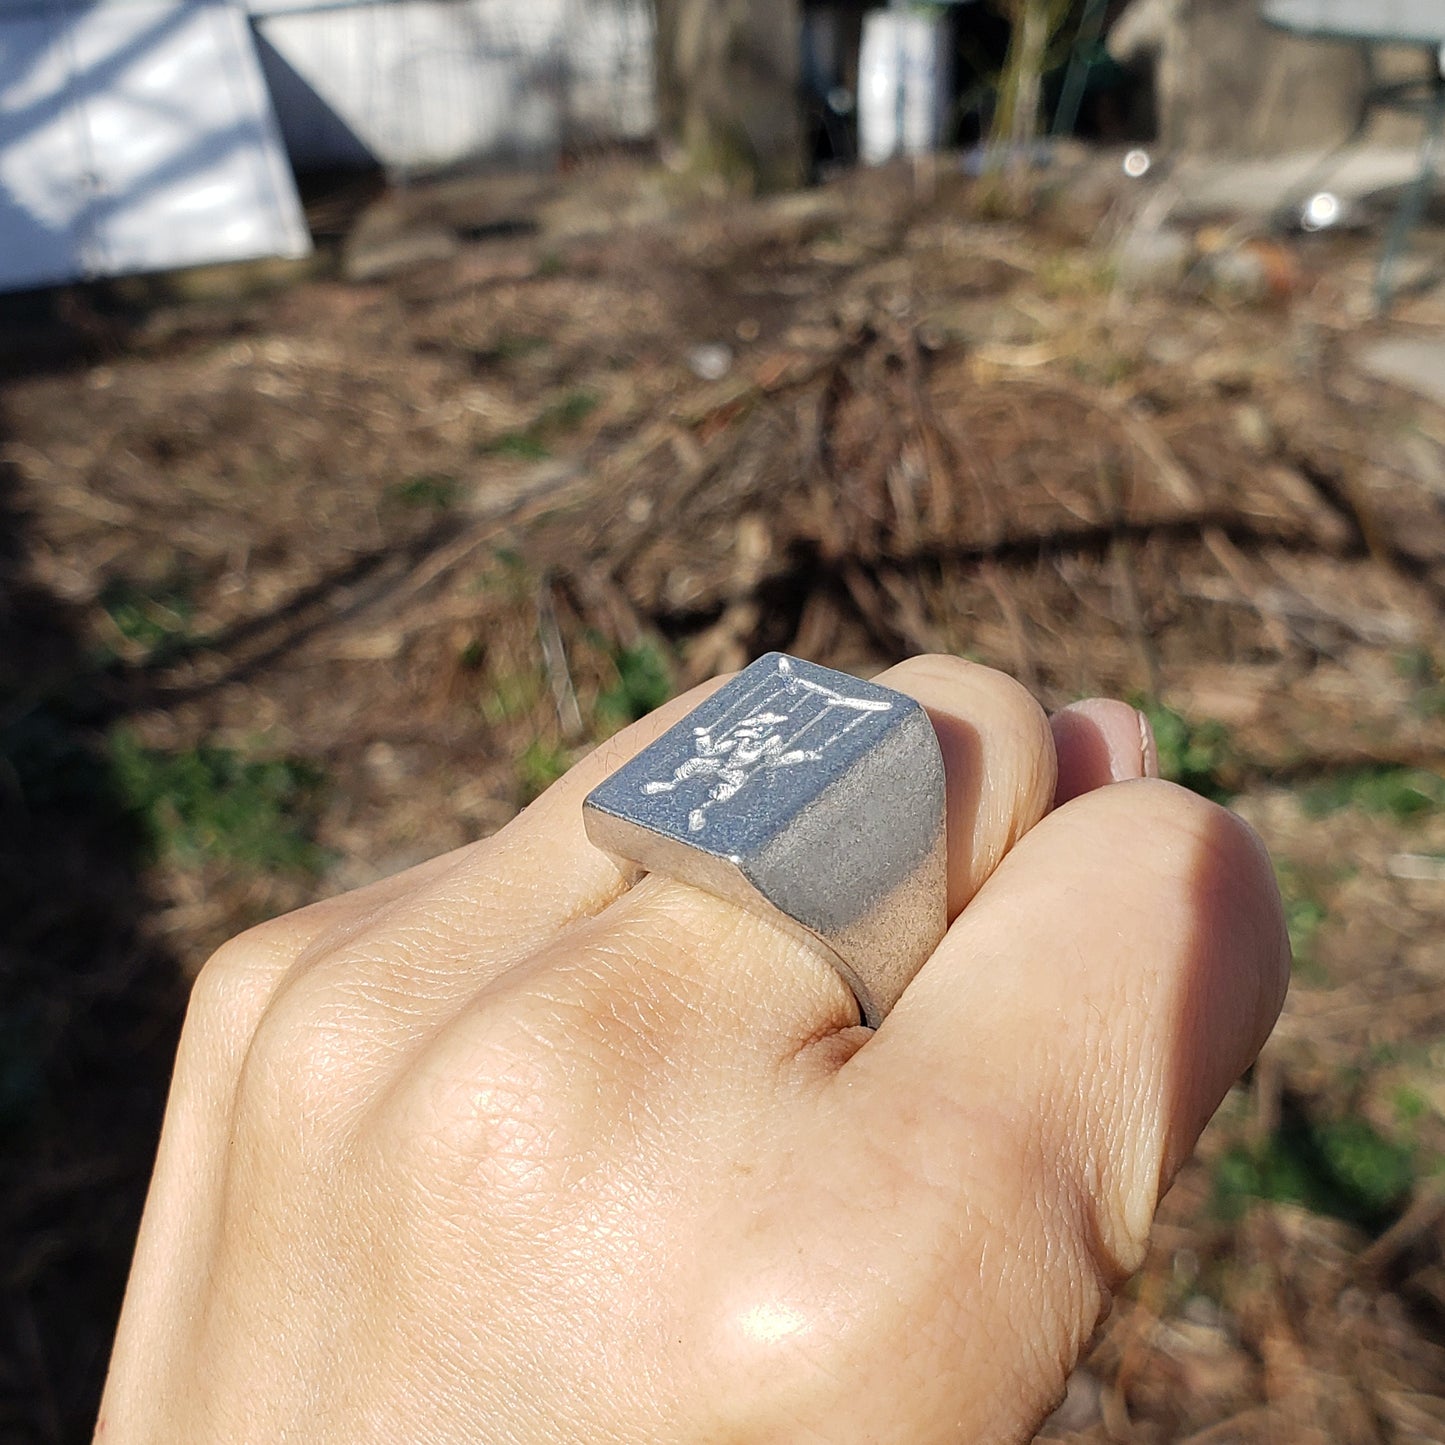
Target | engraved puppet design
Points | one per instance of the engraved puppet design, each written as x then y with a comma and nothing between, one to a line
760,734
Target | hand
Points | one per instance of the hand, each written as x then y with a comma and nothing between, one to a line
503,1150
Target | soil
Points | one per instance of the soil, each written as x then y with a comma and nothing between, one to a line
427,536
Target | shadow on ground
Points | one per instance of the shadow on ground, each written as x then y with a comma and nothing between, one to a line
90,1007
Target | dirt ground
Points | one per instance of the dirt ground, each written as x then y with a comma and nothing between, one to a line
302,583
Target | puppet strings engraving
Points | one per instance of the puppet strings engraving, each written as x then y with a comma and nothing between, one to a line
751,740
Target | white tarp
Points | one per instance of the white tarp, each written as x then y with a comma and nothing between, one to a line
419,84
1405,22
136,135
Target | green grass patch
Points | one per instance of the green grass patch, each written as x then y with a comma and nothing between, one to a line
524,446
1304,917
1404,794
431,491
1388,1053
514,347
644,683
570,411
511,694
213,803
1429,702
534,443
157,620
505,573
1305,914
1344,1168
1197,755
1419,668
540,765
1410,1106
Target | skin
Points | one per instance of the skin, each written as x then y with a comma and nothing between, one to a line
504,1150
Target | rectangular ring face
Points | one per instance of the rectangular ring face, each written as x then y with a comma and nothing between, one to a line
736,771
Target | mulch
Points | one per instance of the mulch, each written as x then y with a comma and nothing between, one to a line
406,527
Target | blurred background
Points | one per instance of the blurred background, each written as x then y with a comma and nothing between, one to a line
398,397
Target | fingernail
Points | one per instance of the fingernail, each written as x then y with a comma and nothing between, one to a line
1148,749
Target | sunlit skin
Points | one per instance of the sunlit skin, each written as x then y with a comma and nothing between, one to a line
502,1149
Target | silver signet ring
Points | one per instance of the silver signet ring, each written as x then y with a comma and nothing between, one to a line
798,791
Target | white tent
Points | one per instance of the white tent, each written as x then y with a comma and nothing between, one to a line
136,135
142,135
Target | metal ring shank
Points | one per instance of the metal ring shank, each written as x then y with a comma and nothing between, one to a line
799,791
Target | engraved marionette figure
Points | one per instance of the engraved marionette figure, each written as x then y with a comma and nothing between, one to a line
760,735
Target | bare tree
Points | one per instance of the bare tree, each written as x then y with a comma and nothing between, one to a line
1035,24
727,88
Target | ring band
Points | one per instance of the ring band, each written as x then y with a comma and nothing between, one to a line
798,791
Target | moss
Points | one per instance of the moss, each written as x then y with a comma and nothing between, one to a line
1344,1168
1197,755
540,765
1404,794
644,683
212,802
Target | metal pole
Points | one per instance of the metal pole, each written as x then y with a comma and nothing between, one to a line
1072,94
1412,207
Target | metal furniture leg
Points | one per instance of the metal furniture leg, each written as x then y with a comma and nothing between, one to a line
1412,205
1072,94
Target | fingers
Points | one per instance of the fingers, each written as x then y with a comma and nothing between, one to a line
416,959
530,879
1101,741
998,757
492,904
1055,1061
366,976
428,937
427,940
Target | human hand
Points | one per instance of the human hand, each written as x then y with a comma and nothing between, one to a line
501,1149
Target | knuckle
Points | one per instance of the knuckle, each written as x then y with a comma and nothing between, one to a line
493,1108
1170,807
233,988
1207,849
985,685
774,1358
300,1065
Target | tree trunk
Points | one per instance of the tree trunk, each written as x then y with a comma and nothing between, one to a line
1017,120
727,89
1023,81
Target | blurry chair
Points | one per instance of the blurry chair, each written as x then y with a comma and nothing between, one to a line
1373,23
